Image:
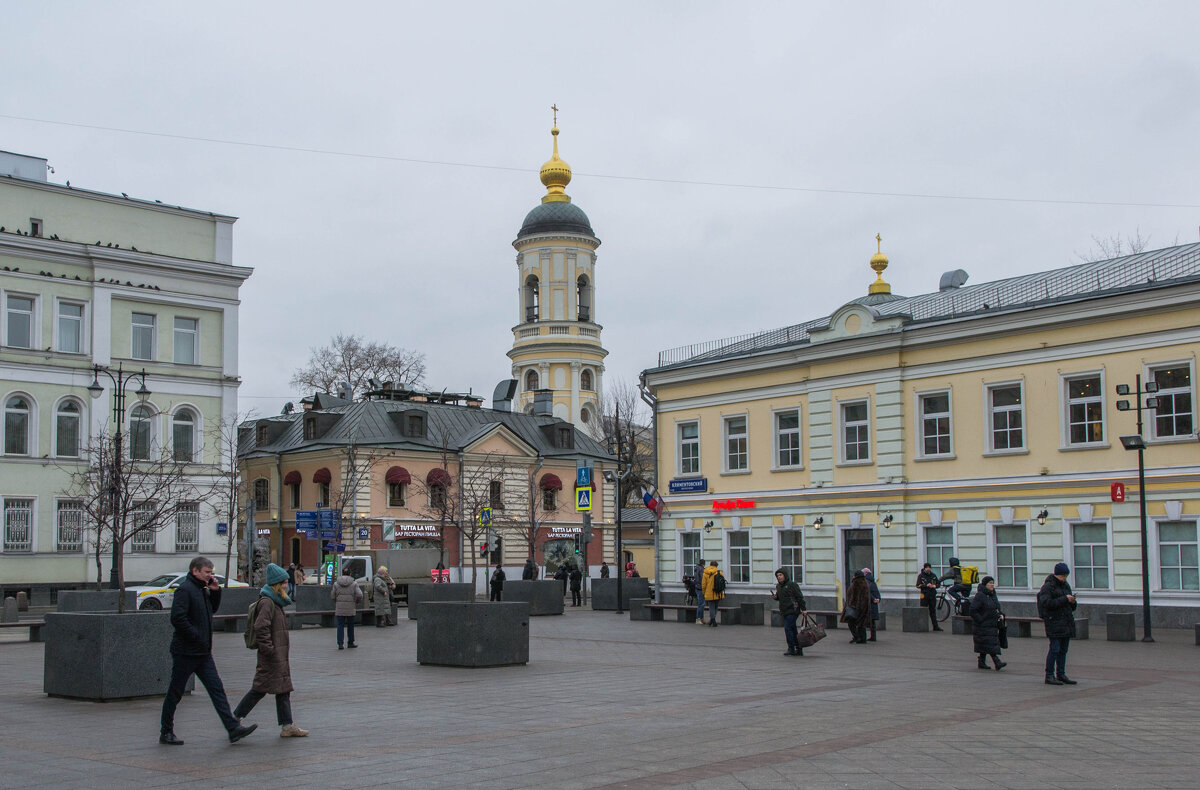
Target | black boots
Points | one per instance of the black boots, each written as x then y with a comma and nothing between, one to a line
1053,681
999,664
982,661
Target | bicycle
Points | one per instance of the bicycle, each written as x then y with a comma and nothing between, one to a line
946,603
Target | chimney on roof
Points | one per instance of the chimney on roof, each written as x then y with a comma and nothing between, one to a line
503,395
345,391
952,280
543,402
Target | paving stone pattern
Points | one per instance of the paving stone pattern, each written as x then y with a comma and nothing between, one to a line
609,703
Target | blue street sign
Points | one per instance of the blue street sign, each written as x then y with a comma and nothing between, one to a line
364,533
330,519
335,546
306,519
583,476
690,485
222,528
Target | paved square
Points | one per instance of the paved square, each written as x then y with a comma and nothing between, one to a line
606,703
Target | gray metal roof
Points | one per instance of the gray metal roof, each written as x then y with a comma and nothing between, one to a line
1144,271
635,515
368,423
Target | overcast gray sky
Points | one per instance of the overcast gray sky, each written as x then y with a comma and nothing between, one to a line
721,151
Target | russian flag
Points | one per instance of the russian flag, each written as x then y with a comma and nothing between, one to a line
654,502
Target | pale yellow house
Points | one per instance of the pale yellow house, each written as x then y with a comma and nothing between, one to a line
979,421
89,278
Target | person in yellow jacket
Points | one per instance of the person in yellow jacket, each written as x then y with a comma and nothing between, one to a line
713,586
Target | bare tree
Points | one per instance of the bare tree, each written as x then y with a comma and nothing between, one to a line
229,494
626,416
130,501
1114,247
442,500
525,522
351,358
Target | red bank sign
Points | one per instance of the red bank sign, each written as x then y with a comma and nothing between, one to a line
1117,491
731,504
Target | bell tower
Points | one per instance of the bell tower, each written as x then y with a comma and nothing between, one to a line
556,342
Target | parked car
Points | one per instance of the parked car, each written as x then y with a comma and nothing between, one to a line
159,592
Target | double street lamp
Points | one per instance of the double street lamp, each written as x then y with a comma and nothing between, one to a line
121,381
1138,442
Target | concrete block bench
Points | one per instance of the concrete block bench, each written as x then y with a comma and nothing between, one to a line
753,613
34,626
643,609
1120,626
962,624
915,620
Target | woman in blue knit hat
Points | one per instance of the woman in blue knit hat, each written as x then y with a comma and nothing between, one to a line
1056,607
273,674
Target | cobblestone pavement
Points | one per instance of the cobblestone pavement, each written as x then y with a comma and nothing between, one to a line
606,703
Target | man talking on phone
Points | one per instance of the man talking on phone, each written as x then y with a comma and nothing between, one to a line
196,598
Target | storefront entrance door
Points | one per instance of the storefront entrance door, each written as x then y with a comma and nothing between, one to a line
858,552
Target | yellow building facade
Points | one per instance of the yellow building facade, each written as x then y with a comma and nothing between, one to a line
975,421
556,342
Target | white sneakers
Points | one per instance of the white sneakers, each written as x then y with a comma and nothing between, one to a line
292,731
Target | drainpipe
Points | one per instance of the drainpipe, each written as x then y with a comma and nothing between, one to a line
461,567
278,507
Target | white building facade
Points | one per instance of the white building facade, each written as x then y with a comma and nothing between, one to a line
88,278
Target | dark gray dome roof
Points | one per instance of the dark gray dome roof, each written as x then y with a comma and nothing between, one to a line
556,216
870,300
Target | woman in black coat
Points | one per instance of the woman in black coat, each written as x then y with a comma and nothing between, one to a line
858,602
986,619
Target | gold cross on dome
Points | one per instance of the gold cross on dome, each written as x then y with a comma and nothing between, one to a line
555,108
878,243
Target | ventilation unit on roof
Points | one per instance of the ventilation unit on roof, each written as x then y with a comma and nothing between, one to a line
503,395
952,280
345,391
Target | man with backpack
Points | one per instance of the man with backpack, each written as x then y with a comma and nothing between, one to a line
713,584
267,632
196,599
959,591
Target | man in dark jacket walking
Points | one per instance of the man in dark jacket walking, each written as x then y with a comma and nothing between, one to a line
791,605
530,571
191,651
497,583
875,599
1056,607
576,580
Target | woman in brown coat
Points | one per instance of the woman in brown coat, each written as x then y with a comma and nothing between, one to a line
273,674
857,613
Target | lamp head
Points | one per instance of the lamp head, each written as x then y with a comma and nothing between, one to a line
1042,516
708,525
1134,442
887,521
818,522
143,391
1122,389
1150,386
94,389
1122,405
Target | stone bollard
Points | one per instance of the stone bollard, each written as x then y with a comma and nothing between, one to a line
10,610
915,620
1120,626
22,602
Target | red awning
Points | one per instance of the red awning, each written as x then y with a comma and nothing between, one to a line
397,474
292,478
438,477
322,475
550,482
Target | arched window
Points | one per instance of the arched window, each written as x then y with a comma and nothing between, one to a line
531,381
585,381
583,292
141,422
531,298
66,429
183,435
585,415
262,495
16,425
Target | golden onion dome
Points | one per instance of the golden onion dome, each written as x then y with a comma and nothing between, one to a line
879,262
555,175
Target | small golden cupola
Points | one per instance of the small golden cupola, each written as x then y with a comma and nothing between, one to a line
556,173
879,262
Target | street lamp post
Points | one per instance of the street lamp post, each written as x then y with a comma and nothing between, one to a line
121,381
1138,442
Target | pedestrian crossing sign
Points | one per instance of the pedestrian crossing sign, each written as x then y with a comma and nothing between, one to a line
583,499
